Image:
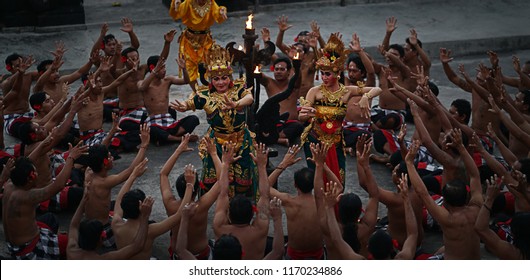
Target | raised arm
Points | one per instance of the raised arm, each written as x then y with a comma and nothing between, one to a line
127,27
524,79
76,75
220,218
494,164
99,44
290,158
282,27
413,39
278,243
319,152
506,153
114,180
181,247
168,38
355,46
331,194
440,214
410,245
500,248
435,151
138,171
445,58
44,77
365,172
391,25
73,230
261,158
139,241
514,129
185,78
370,215
157,229
170,203
144,85
207,200
38,195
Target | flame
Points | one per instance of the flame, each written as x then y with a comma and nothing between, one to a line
240,48
296,56
257,70
249,21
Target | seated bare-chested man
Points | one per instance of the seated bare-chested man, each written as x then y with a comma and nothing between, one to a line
155,88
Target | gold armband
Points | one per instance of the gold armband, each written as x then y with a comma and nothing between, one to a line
190,104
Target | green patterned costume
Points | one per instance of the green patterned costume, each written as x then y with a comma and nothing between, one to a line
227,125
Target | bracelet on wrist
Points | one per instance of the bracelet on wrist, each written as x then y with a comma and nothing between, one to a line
487,208
280,168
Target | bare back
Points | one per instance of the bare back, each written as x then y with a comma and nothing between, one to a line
18,216
460,239
303,223
252,239
98,206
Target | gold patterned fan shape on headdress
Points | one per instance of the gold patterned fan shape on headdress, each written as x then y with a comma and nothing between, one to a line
333,56
218,61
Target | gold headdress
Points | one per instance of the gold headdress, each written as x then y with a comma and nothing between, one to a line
333,56
219,61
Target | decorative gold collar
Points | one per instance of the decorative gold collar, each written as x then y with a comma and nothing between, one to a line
333,97
201,10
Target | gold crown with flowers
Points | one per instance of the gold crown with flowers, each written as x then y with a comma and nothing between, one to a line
333,56
219,61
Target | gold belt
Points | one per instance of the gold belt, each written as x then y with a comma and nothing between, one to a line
235,137
197,38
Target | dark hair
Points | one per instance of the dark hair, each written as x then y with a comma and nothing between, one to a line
303,33
127,51
304,47
152,60
12,57
304,179
23,132
398,48
180,185
396,158
130,203
358,62
412,46
96,155
37,99
455,193
108,38
89,234
434,88
227,247
42,65
20,174
463,107
240,210
521,233
380,245
350,207
284,59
